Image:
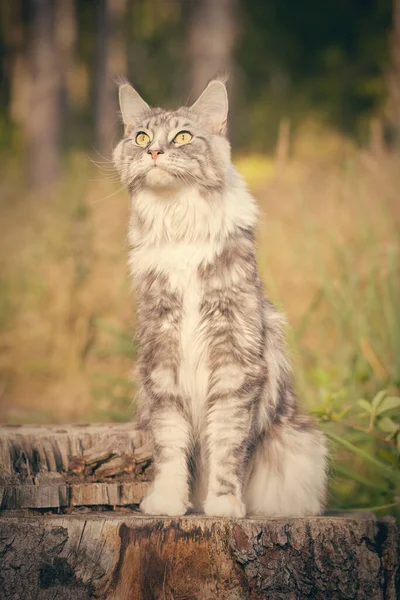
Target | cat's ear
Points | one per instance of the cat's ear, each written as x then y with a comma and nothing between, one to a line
212,106
131,105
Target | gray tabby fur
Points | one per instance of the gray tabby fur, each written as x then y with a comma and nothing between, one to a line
215,384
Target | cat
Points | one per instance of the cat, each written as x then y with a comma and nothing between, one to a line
215,384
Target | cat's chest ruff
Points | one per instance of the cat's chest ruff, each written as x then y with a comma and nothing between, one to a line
179,264
178,261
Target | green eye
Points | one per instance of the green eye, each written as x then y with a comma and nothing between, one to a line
142,139
183,137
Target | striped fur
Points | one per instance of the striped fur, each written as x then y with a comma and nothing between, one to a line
216,390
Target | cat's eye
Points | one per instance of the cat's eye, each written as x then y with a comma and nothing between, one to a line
183,137
142,139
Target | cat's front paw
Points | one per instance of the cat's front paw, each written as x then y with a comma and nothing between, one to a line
224,506
163,504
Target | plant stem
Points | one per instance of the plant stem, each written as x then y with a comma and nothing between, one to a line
343,472
389,471
365,508
363,430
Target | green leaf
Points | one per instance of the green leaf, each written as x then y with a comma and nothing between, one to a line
318,411
378,399
340,415
367,406
389,403
387,425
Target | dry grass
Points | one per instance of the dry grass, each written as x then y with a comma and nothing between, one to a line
328,252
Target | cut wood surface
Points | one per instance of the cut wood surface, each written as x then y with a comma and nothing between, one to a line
126,556
73,465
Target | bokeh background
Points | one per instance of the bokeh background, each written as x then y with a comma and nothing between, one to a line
315,124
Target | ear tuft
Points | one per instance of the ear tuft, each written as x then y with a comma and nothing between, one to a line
212,106
131,104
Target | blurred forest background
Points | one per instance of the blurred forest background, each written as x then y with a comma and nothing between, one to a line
315,127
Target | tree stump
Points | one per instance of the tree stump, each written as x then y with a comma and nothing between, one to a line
70,530
58,467
126,556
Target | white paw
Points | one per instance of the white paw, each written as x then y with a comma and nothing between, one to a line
163,504
224,506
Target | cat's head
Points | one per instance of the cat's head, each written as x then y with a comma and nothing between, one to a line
172,149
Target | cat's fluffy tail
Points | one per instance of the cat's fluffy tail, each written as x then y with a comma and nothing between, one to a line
288,472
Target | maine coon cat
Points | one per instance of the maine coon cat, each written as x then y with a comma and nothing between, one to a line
215,384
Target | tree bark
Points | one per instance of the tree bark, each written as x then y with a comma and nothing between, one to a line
69,466
43,121
130,557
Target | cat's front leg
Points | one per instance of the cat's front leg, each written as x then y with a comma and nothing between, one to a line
233,324
159,316
169,492
228,439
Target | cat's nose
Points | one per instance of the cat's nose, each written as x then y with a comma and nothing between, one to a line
155,153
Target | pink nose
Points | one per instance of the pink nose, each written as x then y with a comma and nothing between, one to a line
155,153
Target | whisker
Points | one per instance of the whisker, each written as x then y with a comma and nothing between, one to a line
109,196
103,166
98,162
105,178
108,160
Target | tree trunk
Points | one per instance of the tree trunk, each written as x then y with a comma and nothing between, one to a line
110,63
66,35
126,556
11,47
43,121
394,72
68,466
211,39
